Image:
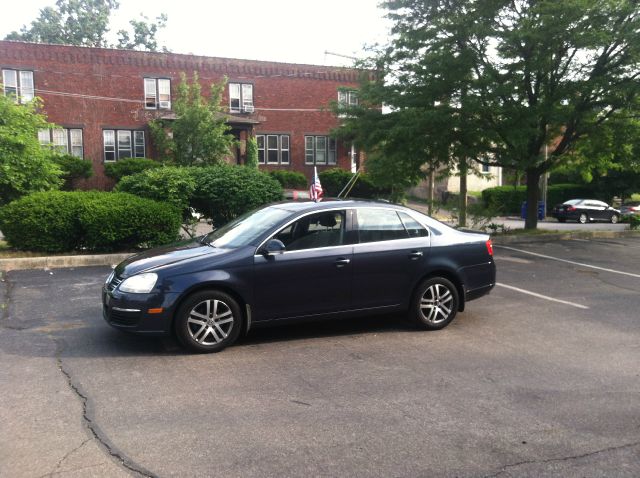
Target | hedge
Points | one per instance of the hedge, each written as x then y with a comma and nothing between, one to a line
94,221
335,179
224,192
129,166
509,199
72,168
290,179
174,185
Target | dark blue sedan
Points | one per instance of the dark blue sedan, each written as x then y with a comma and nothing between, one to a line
297,261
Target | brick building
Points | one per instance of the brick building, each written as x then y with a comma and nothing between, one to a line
102,100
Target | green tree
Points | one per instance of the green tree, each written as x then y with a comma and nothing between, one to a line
86,23
252,153
199,134
514,77
25,166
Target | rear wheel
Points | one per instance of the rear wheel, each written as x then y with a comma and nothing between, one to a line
208,321
583,218
614,218
435,303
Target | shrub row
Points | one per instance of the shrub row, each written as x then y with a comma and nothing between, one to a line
335,179
129,166
290,179
220,192
509,199
59,221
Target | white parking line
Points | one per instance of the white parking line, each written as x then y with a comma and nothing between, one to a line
581,264
540,296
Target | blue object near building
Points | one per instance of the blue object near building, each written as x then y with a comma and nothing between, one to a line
523,210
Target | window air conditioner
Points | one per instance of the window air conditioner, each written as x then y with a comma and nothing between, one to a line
248,109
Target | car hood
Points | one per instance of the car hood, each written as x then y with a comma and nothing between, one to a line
163,256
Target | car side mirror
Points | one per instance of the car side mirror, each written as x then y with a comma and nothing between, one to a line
273,247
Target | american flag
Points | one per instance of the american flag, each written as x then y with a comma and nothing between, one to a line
316,188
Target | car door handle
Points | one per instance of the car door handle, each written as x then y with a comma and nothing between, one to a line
413,255
342,262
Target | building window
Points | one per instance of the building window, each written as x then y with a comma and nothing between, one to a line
64,140
19,84
273,148
347,99
241,98
319,150
157,93
485,169
123,143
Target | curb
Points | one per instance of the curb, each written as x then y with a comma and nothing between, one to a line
563,236
53,262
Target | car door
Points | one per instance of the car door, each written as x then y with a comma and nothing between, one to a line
389,257
311,276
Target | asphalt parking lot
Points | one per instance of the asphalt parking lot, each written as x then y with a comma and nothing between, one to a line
540,378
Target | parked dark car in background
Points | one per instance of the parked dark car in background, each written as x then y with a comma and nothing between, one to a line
631,207
300,260
585,210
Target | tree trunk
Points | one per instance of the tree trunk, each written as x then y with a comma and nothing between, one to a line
432,194
464,170
533,181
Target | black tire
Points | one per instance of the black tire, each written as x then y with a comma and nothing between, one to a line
583,218
614,219
435,303
202,322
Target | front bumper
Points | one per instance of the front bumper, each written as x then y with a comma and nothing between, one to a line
131,312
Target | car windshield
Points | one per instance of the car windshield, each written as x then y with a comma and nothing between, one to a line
245,229
573,202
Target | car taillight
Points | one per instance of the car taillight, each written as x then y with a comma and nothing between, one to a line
489,247
570,208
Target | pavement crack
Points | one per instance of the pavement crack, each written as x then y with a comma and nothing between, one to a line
64,458
92,426
505,468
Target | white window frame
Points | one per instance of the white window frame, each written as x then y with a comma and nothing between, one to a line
243,94
312,150
283,146
69,140
347,99
22,84
137,147
158,90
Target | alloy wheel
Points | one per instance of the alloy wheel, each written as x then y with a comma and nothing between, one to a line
583,218
436,304
210,322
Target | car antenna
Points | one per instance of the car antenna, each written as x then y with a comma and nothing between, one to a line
349,186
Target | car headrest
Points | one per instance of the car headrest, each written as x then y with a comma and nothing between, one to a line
328,220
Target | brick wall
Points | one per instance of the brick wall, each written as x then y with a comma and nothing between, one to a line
96,89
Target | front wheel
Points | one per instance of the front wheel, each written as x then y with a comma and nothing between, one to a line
583,219
614,218
435,303
208,321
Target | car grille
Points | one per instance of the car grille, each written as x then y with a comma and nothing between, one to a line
115,282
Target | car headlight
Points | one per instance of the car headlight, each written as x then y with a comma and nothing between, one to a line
139,284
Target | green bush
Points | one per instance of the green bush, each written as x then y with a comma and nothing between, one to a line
290,179
252,153
174,185
335,179
509,199
72,168
129,166
632,219
224,192
95,221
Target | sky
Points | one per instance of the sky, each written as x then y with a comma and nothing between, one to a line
295,31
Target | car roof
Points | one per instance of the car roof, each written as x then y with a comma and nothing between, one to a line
331,203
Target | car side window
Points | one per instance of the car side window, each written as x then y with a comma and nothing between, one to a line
324,229
413,227
380,225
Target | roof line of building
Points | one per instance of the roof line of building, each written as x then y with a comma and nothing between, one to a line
171,57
